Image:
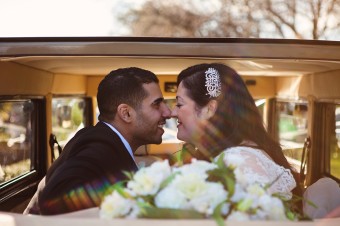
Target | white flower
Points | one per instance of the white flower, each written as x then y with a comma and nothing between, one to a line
273,206
256,189
188,188
225,208
238,216
192,191
233,160
241,178
254,192
259,215
265,202
114,206
196,167
147,180
190,184
170,197
239,193
213,195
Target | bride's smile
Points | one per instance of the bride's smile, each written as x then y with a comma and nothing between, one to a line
188,114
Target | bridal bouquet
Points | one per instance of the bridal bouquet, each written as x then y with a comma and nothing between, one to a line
197,190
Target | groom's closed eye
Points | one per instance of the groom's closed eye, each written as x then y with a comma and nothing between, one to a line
158,102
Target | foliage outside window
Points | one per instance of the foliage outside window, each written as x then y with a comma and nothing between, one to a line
287,19
304,19
335,146
15,138
68,116
292,129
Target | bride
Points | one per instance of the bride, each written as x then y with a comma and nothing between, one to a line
216,114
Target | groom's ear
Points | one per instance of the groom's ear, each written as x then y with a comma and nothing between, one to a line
211,108
125,112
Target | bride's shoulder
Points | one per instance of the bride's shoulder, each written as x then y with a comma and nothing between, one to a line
238,151
246,152
242,149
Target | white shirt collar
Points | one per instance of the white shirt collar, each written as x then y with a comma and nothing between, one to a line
126,144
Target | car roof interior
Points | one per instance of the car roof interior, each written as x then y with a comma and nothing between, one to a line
287,61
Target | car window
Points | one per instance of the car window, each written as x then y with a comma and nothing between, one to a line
68,116
15,138
292,129
335,146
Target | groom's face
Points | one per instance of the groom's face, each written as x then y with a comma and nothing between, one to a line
151,116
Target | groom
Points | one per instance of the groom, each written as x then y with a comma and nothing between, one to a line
132,113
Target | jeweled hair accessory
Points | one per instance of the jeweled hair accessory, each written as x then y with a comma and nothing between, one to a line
213,82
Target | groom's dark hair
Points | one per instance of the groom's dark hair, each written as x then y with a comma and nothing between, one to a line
124,85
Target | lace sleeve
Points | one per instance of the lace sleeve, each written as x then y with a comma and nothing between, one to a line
253,166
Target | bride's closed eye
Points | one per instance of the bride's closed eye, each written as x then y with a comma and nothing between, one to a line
179,105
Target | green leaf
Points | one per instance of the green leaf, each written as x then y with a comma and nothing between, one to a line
167,213
290,215
178,157
244,205
143,205
167,180
226,176
220,162
128,174
217,215
119,187
181,156
230,182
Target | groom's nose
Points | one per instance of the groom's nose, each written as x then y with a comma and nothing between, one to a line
166,112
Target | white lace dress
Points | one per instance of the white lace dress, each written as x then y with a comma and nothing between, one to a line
255,166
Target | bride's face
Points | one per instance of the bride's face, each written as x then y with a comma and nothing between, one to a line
189,116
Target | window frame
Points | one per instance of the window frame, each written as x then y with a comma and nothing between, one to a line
16,191
328,109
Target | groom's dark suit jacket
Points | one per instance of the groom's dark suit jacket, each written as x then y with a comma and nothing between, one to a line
92,161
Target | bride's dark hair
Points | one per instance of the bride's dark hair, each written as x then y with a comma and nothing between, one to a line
193,79
237,119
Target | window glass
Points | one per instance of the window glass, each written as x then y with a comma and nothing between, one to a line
15,138
260,104
292,129
68,116
170,128
335,146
